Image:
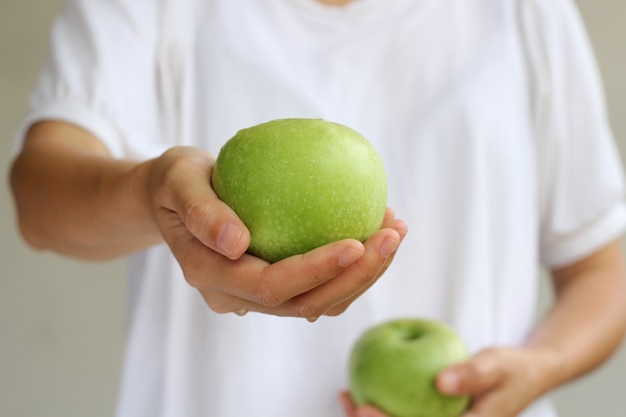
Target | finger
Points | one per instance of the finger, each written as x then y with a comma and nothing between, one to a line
388,217
400,227
390,222
184,186
351,410
369,411
347,404
274,289
285,288
517,381
293,276
494,404
474,377
200,265
505,400
308,285
358,277
213,222
304,274
271,285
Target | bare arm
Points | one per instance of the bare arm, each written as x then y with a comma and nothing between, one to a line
582,329
588,320
74,198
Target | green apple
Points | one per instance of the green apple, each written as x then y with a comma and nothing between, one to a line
393,366
298,184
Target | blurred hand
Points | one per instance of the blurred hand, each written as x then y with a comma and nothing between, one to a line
352,411
209,241
501,381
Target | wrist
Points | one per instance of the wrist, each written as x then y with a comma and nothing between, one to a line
547,367
138,198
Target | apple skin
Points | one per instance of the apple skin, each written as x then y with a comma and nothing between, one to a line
393,366
298,184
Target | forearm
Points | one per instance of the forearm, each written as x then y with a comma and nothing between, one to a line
73,198
588,319
584,326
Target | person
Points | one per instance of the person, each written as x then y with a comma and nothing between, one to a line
490,120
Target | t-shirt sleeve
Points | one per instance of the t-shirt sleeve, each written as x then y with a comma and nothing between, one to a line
579,169
100,74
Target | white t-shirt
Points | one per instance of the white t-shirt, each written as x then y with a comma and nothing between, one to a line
488,115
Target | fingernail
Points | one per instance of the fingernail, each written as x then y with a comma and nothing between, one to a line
388,247
348,256
229,238
449,382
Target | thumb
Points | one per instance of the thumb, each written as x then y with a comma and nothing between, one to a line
475,376
215,224
182,184
232,240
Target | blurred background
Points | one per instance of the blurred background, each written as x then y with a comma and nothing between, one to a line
62,322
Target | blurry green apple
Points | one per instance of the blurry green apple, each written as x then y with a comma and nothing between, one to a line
298,184
393,366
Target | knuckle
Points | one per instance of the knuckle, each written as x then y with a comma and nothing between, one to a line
196,215
366,280
268,295
309,311
338,309
219,308
217,304
362,282
475,371
316,272
167,169
194,279
367,275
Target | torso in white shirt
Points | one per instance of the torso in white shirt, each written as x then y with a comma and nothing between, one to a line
448,93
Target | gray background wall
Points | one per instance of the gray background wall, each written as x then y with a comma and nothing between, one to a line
62,321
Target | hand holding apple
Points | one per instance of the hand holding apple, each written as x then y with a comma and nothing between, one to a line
209,240
502,381
394,366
